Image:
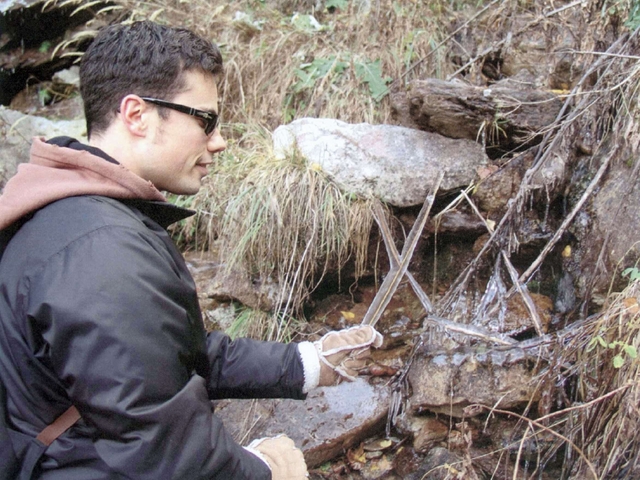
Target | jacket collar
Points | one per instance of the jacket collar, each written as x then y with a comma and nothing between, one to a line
163,213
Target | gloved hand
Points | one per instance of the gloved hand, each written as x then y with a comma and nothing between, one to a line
343,353
281,455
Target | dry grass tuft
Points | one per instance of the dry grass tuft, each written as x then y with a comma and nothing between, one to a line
286,221
251,323
609,428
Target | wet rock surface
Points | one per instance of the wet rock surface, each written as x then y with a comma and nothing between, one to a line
325,425
516,319
448,381
220,286
341,429
614,237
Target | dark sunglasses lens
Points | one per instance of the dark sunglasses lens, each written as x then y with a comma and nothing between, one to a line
210,126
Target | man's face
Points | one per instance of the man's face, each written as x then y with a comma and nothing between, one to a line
180,150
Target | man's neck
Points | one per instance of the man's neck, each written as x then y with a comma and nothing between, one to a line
117,146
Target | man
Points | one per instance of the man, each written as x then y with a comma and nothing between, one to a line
98,312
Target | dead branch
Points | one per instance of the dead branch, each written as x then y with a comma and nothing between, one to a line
394,259
392,280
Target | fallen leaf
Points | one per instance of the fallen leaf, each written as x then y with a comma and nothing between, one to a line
385,464
373,455
356,457
348,315
376,445
631,304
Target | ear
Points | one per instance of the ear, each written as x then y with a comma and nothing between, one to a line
135,115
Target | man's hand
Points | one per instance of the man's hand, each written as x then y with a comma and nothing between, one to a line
343,353
281,455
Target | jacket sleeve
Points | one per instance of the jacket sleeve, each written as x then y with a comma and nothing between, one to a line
247,368
115,312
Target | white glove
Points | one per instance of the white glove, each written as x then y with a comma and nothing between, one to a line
285,461
343,353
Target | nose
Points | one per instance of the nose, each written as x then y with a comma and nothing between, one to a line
216,143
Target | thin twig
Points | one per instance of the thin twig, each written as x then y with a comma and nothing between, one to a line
524,293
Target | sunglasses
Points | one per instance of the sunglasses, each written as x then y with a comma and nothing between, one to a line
210,118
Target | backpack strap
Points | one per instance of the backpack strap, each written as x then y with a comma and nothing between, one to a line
59,426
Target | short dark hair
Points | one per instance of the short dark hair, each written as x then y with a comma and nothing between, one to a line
144,58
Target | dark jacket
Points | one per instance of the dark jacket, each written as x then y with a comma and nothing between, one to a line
98,310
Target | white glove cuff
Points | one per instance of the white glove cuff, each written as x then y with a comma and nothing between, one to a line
311,365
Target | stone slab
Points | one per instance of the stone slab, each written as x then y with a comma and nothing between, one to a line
325,425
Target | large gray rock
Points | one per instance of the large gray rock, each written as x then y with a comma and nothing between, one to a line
17,130
396,164
329,421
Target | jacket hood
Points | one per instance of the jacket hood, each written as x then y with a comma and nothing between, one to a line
55,172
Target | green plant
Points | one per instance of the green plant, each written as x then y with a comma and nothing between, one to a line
309,73
306,23
633,273
45,46
633,20
371,74
328,69
335,4
626,349
44,96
